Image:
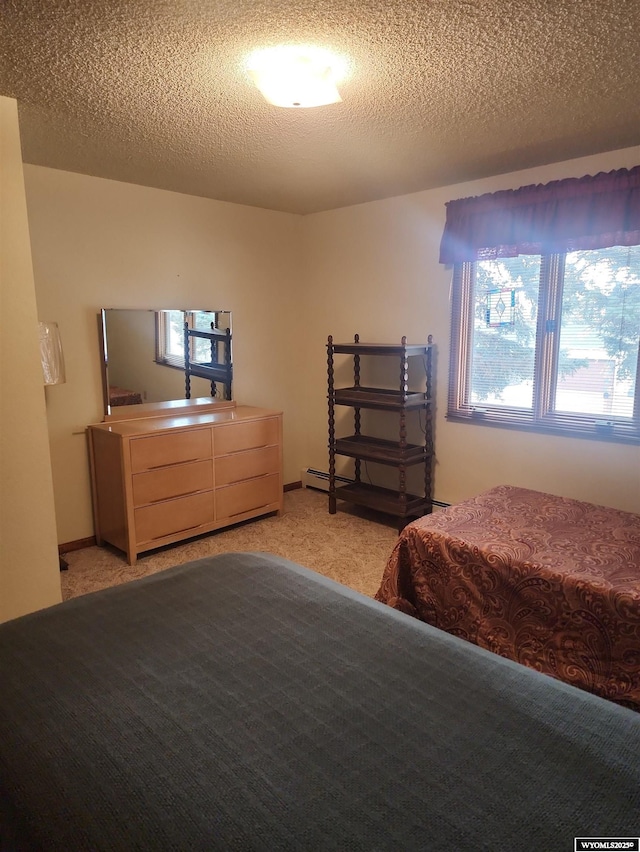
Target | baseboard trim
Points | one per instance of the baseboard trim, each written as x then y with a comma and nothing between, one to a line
292,486
79,544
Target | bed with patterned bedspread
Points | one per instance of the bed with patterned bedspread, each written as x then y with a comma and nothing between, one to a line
547,581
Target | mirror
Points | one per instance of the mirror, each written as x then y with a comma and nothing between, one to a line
163,355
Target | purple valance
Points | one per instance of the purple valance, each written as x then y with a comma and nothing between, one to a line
591,212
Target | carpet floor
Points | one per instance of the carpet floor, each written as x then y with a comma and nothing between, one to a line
351,547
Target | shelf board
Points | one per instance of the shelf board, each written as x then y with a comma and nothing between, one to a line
212,372
408,349
209,334
382,499
380,450
383,398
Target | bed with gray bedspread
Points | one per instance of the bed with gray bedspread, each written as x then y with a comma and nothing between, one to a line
244,703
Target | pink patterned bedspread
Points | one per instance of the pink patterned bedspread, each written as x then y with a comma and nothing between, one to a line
550,582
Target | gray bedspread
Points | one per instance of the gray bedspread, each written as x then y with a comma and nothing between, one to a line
244,703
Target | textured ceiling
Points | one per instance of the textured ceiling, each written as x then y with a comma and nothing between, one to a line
154,92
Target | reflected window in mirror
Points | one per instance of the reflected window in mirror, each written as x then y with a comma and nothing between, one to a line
171,342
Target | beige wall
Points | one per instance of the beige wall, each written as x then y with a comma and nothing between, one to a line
99,243
289,281
29,572
373,269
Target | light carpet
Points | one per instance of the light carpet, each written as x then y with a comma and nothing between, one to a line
351,547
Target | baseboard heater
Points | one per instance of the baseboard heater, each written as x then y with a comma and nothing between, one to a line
319,479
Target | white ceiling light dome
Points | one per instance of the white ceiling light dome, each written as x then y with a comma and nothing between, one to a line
297,75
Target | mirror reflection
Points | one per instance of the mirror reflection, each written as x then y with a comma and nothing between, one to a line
157,356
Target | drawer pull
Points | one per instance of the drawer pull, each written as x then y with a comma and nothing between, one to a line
184,529
245,479
245,450
174,496
172,464
244,511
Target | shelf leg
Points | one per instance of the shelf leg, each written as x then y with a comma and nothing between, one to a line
332,429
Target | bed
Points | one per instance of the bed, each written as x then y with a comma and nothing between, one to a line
123,396
547,581
242,702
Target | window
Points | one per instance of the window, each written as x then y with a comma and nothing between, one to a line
170,337
549,342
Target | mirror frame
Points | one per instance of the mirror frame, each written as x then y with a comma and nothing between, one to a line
220,374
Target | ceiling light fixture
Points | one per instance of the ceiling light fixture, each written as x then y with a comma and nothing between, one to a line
297,76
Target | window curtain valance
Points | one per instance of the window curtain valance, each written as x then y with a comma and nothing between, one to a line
590,212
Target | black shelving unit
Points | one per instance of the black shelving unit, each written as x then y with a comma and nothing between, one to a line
398,453
216,370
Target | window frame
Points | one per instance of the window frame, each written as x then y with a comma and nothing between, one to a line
541,417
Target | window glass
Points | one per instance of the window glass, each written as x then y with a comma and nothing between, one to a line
174,339
504,331
599,332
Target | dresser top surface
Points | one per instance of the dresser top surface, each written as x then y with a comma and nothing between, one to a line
147,425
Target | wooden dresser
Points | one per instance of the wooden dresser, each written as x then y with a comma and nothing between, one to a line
162,477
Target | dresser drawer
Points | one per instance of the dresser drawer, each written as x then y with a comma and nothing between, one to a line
233,437
176,481
173,516
246,496
155,451
239,466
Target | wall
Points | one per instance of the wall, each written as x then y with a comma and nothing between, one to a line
29,569
373,269
99,243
